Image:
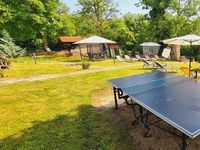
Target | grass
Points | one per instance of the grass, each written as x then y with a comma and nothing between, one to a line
25,66
19,70
58,113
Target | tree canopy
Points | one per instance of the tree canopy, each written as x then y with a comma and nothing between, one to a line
37,24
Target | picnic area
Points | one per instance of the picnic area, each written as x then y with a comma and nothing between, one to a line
99,74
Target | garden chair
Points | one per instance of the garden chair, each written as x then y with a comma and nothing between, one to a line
128,58
161,66
3,65
120,58
165,67
147,64
149,58
3,62
186,71
140,58
158,58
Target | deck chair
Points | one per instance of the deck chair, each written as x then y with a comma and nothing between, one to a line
147,64
120,58
127,57
3,65
3,62
158,58
161,66
186,71
165,67
140,58
149,58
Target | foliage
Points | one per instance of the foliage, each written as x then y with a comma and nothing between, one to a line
37,24
8,47
187,8
85,64
4,14
125,52
99,11
157,8
36,20
197,58
1,73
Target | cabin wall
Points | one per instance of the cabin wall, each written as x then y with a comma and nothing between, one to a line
150,50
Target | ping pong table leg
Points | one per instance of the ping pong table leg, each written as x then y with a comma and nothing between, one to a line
115,97
147,133
141,114
184,142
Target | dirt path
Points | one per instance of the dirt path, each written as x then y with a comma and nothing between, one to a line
52,76
159,140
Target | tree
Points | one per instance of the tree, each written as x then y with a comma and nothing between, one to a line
85,25
157,8
99,11
8,47
196,26
4,14
187,8
118,31
36,21
157,16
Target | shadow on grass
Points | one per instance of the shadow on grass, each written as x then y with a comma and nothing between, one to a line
88,129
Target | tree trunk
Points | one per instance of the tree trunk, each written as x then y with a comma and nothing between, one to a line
45,42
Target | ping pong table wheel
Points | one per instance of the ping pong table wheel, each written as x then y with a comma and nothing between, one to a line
147,134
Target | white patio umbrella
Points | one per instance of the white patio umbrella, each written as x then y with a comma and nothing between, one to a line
150,44
191,39
95,40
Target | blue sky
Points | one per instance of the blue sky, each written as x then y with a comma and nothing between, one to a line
125,6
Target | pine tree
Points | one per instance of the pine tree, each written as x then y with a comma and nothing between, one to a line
8,46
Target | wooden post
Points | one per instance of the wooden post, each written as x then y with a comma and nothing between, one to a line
80,52
34,57
87,49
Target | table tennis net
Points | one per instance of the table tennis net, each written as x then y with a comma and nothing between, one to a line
163,82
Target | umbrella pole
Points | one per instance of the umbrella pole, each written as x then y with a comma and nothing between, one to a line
190,61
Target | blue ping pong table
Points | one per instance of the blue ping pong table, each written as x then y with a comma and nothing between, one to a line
171,98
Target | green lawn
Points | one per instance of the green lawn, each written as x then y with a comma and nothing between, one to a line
58,113
25,66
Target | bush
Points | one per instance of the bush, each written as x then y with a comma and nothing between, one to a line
133,52
85,64
8,46
1,73
126,52
197,58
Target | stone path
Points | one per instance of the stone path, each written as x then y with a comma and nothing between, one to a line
52,76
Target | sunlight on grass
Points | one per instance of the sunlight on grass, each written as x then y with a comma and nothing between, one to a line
60,109
25,70
57,113
25,67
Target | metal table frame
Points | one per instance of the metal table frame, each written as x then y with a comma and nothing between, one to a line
144,116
